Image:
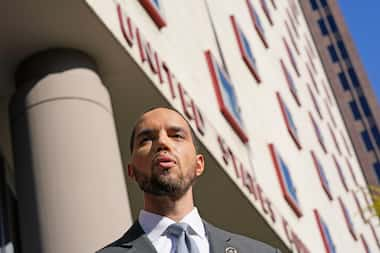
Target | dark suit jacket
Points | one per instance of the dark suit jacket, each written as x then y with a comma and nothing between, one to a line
136,241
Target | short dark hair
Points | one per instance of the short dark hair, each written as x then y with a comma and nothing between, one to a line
133,134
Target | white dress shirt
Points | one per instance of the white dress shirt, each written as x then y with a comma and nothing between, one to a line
155,226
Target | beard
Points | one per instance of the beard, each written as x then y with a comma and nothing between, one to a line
168,183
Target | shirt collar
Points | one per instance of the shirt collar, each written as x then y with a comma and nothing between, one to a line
155,225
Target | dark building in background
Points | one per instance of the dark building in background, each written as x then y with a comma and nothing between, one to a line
349,82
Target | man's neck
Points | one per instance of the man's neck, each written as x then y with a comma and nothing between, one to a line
167,206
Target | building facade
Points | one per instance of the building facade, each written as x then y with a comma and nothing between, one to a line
280,158
349,82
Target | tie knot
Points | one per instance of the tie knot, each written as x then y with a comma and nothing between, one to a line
177,229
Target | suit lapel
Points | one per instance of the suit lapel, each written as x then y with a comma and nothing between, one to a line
135,240
218,239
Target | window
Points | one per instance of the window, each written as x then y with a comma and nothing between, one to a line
332,23
226,96
290,82
355,110
352,172
312,78
340,173
289,122
322,175
365,244
376,135
245,49
292,23
366,140
265,8
285,179
314,5
318,133
345,144
257,23
343,81
315,102
330,113
354,77
294,43
291,57
342,49
376,167
374,235
348,219
359,207
325,233
333,54
323,27
155,11
365,106
323,3
335,140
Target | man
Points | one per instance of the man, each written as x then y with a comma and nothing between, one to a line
165,164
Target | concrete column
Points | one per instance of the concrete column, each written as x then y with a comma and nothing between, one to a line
69,179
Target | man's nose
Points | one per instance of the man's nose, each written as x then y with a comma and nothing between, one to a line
163,142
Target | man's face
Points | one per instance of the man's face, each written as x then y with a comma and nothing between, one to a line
164,160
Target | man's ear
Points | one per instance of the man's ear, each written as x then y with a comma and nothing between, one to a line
131,174
200,164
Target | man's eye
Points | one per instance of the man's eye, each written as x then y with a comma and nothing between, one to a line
178,136
145,139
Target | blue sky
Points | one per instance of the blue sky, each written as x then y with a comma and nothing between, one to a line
362,19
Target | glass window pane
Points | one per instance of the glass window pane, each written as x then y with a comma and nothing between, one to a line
365,106
354,77
343,81
323,27
333,54
333,26
355,110
367,141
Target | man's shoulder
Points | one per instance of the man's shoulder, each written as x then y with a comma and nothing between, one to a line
246,244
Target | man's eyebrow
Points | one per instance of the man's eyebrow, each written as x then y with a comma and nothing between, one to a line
143,132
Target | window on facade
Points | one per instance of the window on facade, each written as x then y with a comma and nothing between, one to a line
365,244
361,211
322,175
330,113
323,3
290,82
376,135
355,110
289,121
343,81
375,235
354,78
265,8
226,96
245,49
348,219
286,181
340,173
325,233
352,172
292,23
323,27
291,57
312,78
342,49
315,102
365,106
155,11
367,140
294,43
333,53
314,5
257,23
318,133
345,143
334,139
376,168
333,26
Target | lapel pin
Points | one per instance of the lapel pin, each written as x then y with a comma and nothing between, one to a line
231,250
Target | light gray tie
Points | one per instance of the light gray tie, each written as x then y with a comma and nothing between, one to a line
185,244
